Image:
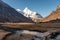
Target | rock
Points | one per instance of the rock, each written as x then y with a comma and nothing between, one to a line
3,34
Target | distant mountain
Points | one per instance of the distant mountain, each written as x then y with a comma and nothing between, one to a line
31,14
54,16
9,14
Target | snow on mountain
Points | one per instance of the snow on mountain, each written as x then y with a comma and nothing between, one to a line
18,10
31,14
27,12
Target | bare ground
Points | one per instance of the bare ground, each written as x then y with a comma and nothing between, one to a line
33,26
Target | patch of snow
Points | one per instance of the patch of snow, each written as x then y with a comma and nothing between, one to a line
18,10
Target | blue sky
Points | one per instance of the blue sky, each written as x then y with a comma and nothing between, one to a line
43,7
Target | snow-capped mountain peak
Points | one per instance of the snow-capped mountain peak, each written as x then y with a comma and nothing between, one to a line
31,14
27,11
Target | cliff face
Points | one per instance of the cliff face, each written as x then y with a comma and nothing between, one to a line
9,14
55,15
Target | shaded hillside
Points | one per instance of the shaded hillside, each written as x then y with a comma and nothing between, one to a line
53,16
9,14
54,21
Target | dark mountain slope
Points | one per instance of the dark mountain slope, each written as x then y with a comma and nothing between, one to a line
9,14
